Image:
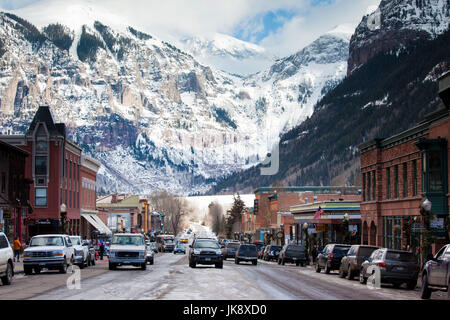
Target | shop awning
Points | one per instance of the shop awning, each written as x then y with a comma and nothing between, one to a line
95,221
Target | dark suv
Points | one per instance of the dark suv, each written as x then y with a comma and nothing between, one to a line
230,250
292,253
396,267
351,263
436,274
271,252
331,256
246,252
205,251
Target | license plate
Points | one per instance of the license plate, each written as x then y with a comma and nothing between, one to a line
42,264
207,259
400,268
294,258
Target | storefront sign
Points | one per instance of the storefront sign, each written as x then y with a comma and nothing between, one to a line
319,227
437,223
6,214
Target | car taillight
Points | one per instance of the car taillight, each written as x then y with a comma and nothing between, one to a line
331,256
382,264
416,268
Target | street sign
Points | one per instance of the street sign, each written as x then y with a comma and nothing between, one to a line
255,207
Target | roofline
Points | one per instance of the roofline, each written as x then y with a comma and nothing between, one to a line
13,147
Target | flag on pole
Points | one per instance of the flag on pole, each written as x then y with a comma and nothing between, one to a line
318,213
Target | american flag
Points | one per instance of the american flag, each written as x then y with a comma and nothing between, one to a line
318,213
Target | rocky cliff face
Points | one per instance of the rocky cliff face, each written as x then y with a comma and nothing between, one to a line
150,113
397,24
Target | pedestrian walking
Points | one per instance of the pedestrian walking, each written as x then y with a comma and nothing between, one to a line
102,250
16,247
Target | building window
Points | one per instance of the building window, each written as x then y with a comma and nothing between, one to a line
368,186
364,187
405,180
388,178
3,182
374,187
396,181
40,198
389,232
415,178
40,165
435,171
397,234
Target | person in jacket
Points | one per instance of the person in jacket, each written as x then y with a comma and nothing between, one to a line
16,247
102,250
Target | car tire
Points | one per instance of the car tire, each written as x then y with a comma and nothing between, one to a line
362,279
411,285
425,292
62,269
297,263
151,262
350,273
317,267
112,266
27,270
255,263
279,261
37,270
283,262
397,285
7,279
89,261
327,269
341,272
219,265
144,266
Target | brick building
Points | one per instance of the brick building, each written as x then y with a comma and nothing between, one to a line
14,191
274,208
398,173
55,167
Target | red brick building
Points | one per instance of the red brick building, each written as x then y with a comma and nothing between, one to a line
274,207
399,172
54,165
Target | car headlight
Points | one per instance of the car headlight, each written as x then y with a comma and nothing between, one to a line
149,254
196,251
141,254
218,251
26,254
112,254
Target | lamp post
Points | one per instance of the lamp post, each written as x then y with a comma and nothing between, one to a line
63,217
345,224
306,243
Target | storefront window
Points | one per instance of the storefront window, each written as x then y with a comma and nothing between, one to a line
389,232
397,234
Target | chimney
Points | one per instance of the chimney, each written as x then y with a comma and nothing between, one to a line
444,89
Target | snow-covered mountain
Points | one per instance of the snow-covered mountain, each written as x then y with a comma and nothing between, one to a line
227,53
395,25
153,115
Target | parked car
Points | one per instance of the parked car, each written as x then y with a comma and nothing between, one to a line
51,251
246,252
396,267
153,246
92,253
230,249
179,248
205,251
128,249
150,254
351,263
81,253
331,256
292,253
6,260
271,253
436,274
261,252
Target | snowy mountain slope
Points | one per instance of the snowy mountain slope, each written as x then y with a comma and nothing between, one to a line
397,24
150,113
227,53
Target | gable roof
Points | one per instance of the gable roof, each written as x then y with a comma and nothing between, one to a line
43,114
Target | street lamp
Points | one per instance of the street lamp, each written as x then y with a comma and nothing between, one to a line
63,215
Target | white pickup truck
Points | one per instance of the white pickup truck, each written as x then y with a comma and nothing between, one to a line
50,251
128,249
6,260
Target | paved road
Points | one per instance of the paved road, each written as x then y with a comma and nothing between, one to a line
171,278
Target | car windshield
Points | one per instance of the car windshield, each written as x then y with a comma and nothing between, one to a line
206,244
247,249
128,240
168,241
46,241
180,246
75,241
399,256
233,245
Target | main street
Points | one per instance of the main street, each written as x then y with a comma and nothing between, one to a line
171,278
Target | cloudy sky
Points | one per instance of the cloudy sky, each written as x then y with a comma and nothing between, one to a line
282,26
